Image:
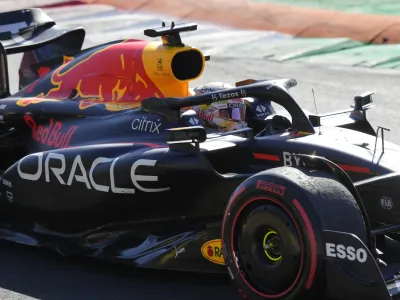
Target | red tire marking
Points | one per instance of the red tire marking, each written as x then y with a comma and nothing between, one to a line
241,190
313,242
301,248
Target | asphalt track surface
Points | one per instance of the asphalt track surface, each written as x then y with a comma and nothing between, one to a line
29,273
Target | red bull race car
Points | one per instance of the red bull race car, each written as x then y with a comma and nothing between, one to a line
100,158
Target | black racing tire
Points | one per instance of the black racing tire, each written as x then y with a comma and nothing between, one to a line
272,232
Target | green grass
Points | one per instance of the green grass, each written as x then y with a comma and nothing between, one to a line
382,7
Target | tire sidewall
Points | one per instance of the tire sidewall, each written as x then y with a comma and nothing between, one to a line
307,224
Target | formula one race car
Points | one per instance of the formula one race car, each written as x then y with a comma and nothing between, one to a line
99,157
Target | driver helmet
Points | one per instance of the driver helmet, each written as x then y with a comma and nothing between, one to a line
225,115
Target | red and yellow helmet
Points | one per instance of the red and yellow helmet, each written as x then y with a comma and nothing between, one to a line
225,115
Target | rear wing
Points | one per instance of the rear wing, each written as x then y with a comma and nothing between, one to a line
30,29
27,29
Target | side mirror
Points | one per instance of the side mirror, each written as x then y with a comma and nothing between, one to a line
194,134
363,101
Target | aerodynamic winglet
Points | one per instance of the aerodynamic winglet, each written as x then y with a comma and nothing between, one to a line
170,34
170,30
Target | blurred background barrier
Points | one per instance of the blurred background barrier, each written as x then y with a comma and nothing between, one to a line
296,18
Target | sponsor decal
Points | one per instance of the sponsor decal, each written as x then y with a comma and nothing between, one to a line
142,124
193,121
205,116
53,135
269,86
349,252
236,105
290,159
160,66
10,196
227,95
179,251
386,203
220,105
271,187
262,110
7,183
212,251
205,89
55,168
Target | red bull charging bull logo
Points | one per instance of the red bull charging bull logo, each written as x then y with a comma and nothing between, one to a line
114,76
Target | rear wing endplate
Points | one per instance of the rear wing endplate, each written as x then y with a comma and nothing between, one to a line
26,29
4,80
29,29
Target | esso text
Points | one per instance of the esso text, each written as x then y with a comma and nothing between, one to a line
349,252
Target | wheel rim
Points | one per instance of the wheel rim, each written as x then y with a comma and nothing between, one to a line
268,247
272,245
